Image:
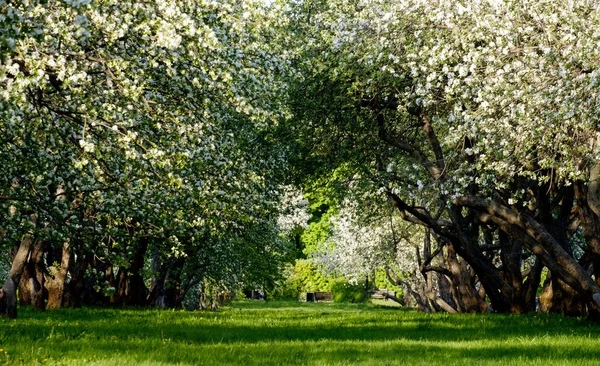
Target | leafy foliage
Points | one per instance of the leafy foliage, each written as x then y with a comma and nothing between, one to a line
129,125
344,291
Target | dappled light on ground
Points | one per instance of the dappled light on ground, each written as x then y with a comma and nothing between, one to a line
294,333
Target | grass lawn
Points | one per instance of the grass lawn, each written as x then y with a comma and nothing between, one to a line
288,333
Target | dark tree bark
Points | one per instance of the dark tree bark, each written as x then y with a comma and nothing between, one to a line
530,287
8,298
511,254
467,247
543,244
130,287
467,297
76,286
589,220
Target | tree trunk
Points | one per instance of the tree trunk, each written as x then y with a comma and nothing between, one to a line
499,292
55,283
31,285
202,304
130,287
530,287
8,294
156,293
75,288
593,192
445,289
172,285
589,217
559,298
541,243
468,301
8,299
511,262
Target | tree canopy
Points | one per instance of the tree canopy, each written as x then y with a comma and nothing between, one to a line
478,121
149,148
128,126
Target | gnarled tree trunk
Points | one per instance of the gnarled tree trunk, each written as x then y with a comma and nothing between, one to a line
550,252
31,286
8,294
55,282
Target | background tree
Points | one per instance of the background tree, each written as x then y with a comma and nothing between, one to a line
478,121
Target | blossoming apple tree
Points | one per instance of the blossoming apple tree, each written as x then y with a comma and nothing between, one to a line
479,121
129,127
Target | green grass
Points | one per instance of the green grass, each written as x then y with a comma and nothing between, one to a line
284,333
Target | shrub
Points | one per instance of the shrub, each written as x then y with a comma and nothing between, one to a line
287,289
343,291
304,276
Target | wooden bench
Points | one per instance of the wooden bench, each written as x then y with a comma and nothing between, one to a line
323,296
318,296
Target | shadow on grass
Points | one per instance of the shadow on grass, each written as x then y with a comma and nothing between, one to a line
302,334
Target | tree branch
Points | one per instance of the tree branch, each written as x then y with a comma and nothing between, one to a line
539,241
414,151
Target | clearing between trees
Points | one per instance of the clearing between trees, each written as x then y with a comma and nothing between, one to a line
293,333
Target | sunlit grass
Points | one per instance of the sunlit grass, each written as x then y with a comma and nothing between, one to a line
275,333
